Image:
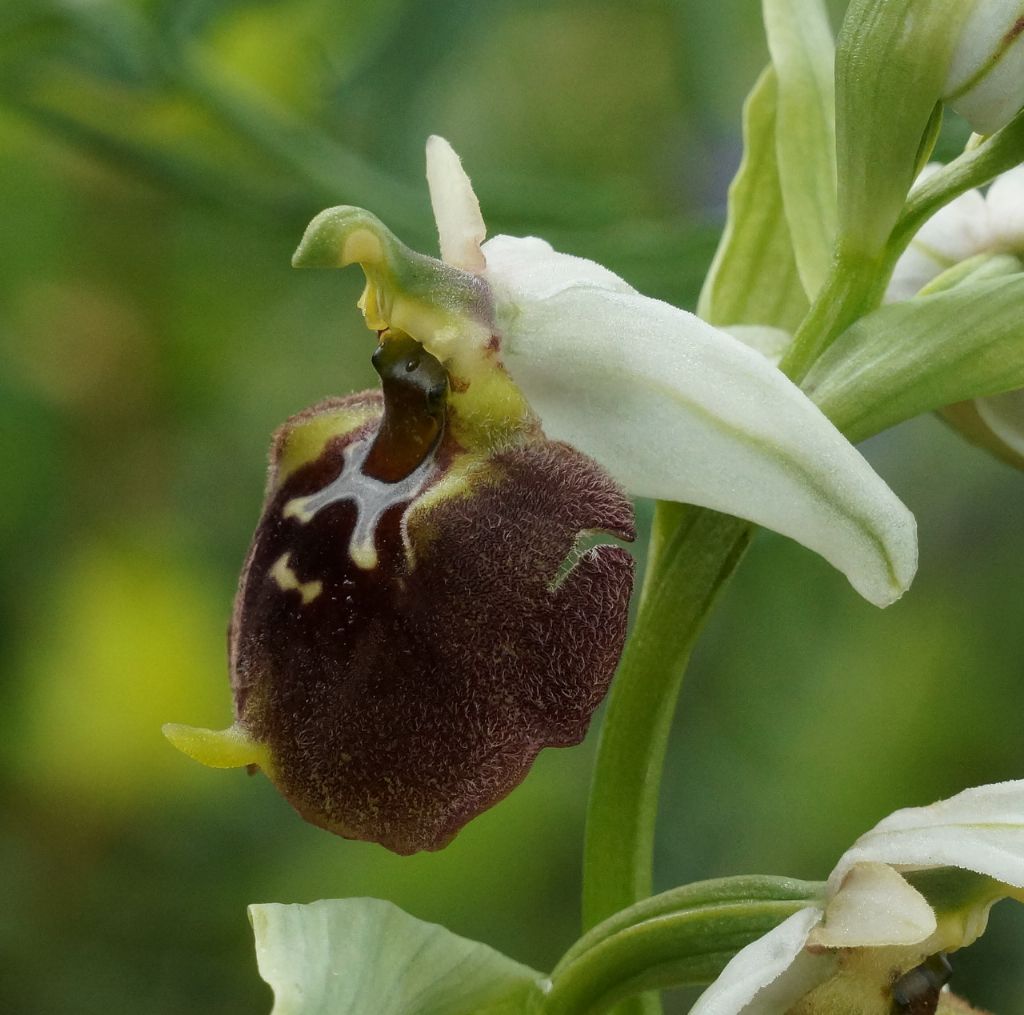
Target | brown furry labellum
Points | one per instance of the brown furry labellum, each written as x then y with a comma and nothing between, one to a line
414,621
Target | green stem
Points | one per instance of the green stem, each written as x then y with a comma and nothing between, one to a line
683,937
851,286
693,552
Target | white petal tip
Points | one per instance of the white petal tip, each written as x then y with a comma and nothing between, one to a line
460,226
898,559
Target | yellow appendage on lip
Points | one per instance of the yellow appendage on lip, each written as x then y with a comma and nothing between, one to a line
230,748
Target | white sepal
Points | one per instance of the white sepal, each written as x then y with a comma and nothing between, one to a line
985,83
532,269
678,410
768,975
874,906
980,829
460,225
772,343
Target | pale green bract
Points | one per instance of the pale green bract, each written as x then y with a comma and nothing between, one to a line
917,356
356,956
892,60
756,242
800,41
908,58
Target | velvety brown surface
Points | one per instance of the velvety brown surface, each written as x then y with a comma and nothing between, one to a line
400,702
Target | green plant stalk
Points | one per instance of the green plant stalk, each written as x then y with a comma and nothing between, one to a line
693,552
850,290
699,895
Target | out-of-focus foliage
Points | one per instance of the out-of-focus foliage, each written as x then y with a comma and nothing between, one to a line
158,161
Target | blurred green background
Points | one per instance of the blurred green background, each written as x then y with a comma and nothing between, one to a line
158,162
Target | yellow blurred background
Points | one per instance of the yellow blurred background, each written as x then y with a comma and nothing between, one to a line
158,162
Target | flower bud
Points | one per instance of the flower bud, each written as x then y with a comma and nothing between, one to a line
414,622
896,61
985,83
972,238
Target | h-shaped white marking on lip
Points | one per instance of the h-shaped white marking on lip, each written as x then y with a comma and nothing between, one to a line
371,496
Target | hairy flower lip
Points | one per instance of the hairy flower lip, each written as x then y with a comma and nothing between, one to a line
432,720
394,687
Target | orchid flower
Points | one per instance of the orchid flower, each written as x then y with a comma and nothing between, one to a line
972,235
414,621
918,885
673,408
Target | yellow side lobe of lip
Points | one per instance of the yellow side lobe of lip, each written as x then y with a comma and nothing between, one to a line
230,748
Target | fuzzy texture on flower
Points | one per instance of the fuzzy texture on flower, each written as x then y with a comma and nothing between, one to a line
985,83
398,701
972,225
416,618
875,925
414,622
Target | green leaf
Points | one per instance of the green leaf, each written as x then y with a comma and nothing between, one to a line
891,65
356,956
803,54
681,937
753,278
929,352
